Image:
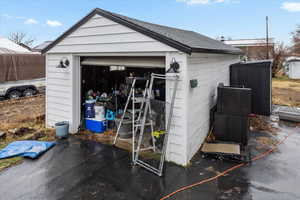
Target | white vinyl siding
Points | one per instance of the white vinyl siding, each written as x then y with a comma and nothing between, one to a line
209,70
58,90
177,146
103,35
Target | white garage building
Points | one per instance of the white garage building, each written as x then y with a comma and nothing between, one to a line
293,64
106,38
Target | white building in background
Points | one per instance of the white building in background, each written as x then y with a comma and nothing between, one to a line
253,49
293,67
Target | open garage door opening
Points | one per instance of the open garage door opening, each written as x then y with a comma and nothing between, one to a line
105,88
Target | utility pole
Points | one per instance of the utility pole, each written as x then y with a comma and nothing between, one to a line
267,35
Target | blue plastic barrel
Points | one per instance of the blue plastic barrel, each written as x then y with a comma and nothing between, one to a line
90,109
62,129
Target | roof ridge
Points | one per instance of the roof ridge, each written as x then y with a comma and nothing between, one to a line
183,40
132,18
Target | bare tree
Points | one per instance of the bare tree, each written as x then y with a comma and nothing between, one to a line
296,41
21,38
278,55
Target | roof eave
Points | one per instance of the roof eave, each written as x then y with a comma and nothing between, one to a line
217,51
170,42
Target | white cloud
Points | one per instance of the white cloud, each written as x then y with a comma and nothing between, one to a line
190,2
194,2
19,17
26,20
291,6
53,23
7,16
31,21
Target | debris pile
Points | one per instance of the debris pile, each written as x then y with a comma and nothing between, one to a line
258,123
106,137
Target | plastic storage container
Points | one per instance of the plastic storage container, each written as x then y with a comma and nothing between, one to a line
258,77
62,129
89,108
100,113
95,126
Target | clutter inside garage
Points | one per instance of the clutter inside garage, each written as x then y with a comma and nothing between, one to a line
127,104
105,91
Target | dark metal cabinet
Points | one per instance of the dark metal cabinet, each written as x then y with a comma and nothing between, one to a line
258,77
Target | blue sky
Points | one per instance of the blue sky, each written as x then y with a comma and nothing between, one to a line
47,19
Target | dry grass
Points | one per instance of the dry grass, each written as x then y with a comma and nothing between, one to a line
286,92
23,119
5,163
108,138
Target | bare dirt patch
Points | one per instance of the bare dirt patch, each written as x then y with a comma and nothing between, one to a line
22,119
14,113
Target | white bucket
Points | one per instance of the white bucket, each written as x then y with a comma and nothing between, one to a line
100,113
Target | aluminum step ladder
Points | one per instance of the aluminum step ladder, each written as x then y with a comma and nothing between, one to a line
137,161
136,114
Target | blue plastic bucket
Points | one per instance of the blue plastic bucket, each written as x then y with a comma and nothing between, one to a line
62,129
90,109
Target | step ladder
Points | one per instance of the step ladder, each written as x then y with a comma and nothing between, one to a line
136,114
147,109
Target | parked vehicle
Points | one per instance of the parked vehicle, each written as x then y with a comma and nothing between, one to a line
23,88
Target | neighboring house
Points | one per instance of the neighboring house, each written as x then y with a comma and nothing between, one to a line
253,49
8,46
41,46
105,39
293,67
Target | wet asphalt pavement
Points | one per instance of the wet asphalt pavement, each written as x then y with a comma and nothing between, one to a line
76,169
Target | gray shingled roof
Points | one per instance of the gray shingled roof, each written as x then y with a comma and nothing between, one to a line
183,40
190,38
42,45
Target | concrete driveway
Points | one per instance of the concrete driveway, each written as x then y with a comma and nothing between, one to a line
76,169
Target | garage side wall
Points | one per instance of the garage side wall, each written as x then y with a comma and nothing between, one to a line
59,91
209,70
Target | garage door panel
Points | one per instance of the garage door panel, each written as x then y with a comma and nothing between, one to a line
154,62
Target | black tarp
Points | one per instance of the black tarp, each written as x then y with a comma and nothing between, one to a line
258,77
14,67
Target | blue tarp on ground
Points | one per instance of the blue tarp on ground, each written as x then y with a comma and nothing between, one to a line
31,149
